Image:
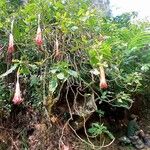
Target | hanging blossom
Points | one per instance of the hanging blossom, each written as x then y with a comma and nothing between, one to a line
11,43
103,83
17,96
11,39
38,39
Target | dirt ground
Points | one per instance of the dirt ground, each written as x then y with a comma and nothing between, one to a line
39,136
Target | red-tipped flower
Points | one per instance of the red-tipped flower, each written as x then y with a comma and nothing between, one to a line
11,44
103,83
17,96
39,40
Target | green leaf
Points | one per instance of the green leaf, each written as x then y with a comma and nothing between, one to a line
106,50
145,67
33,66
100,112
24,70
73,73
34,80
53,71
94,71
98,129
53,85
74,28
120,100
60,76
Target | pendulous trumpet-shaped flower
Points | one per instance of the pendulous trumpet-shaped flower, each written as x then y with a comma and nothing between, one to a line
17,96
11,44
38,39
103,83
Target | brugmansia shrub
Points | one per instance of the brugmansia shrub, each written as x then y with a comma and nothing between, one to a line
53,44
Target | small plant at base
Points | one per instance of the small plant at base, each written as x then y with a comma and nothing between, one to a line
98,129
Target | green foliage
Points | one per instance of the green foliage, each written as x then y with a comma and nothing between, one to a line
98,129
5,95
86,40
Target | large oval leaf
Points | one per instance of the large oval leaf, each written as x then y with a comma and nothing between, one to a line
53,85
